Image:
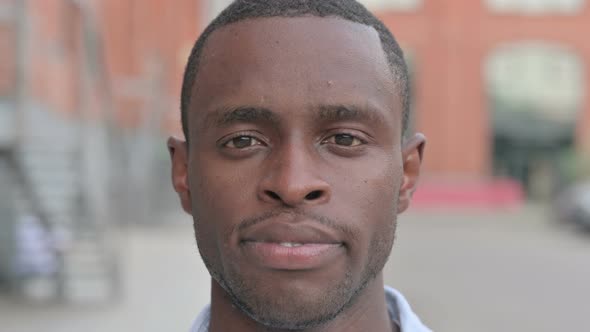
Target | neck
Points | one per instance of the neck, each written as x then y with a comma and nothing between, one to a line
367,313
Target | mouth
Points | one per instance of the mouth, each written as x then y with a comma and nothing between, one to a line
291,246
291,255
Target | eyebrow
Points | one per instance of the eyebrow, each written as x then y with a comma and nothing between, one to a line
334,113
227,116
224,117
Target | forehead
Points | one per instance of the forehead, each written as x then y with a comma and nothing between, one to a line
293,63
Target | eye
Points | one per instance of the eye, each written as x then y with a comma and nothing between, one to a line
242,142
344,140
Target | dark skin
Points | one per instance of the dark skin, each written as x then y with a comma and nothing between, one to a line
296,122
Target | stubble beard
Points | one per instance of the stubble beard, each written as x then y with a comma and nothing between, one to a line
288,313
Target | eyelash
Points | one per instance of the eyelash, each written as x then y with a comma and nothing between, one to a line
224,142
353,135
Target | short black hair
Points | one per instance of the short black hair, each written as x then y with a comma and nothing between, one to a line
350,10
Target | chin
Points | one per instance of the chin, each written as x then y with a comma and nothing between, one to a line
293,313
293,304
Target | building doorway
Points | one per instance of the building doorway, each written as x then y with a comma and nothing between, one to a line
535,93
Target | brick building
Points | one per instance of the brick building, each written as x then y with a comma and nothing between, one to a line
452,40
499,89
89,88
450,44
142,46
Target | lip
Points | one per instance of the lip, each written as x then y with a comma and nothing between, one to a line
294,232
308,256
318,247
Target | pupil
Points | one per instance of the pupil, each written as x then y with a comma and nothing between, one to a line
242,142
344,139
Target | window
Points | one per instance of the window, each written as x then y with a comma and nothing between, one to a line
396,5
216,6
535,7
535,90
537,76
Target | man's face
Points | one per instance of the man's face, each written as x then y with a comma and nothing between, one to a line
294,165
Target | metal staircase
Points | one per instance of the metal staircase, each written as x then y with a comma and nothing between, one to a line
57,169
54,155
8,216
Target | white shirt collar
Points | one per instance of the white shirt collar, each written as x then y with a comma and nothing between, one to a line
398,307
401,312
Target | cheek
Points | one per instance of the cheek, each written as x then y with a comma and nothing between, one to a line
368,199
380,202
220,197
372,190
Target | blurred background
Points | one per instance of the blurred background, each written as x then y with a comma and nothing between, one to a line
92,238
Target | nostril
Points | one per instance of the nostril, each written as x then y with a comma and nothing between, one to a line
313,195
272,194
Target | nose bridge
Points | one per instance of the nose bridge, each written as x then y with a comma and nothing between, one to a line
293,177
293,161
293,170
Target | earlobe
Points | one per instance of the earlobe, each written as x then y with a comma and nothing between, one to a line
412,154
179,158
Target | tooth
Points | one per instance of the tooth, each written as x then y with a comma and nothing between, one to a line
290,244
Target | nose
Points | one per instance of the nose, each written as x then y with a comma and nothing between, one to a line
294,180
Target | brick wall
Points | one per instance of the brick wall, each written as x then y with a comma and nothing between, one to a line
143,45
147,43
450,41
7,49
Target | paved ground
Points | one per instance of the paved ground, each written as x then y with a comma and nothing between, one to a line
463,272
511,271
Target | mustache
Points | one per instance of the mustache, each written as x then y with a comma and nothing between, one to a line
328,222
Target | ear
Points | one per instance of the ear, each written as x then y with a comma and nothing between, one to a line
179,157
412,154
